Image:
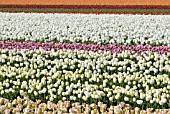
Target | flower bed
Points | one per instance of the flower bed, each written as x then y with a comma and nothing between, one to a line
26,105
86,28
86,76
88,47
76,76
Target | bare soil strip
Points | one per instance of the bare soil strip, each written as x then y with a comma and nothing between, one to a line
87,10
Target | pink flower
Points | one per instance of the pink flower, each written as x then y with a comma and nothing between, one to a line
117,110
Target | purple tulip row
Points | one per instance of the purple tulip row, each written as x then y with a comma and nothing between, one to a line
93,47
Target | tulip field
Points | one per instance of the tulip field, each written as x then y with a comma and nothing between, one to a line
84,63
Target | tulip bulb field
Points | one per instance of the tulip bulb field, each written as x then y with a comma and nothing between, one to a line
84,63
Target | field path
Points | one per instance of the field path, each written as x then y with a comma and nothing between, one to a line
86,2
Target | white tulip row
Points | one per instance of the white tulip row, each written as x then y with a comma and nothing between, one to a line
86,76
152,63
70,86
86,28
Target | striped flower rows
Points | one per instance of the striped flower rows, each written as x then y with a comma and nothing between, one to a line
74,63
86,76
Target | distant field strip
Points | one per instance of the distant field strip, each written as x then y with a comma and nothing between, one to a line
85,9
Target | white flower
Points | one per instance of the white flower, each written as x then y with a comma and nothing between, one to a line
84,98
157,100
148,97
7,84
2,92
44,90
134,99
161,103
79,95
87,94
126,98
63,98
96,96
127,87
51,99
109,94
139,102
164,100
21,92
117,96
141,96
29,91
59,92
35,93
74,98
7,111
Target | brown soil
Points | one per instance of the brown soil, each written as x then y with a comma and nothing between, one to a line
86,2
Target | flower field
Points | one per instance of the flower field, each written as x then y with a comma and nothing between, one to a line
88,9
84,63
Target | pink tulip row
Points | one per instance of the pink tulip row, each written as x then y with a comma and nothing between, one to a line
89,47
25,105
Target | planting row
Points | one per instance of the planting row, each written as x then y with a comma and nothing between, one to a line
90,6
87,77
25,105
83,28
88,47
